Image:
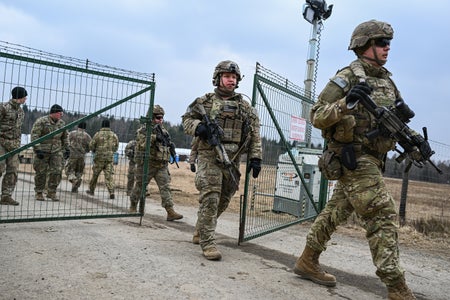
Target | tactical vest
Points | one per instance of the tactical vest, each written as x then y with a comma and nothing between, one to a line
354,127
231,116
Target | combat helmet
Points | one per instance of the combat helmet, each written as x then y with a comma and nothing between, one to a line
370,30
158,110
226,66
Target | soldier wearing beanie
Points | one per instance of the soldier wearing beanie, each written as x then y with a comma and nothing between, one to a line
11,120
79,141
104,144
50,153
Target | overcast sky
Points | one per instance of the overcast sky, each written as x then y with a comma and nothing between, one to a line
181,41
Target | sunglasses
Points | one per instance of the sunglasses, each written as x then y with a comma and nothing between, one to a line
159,117
382,42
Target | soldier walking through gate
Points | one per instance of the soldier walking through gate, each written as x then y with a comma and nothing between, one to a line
226,126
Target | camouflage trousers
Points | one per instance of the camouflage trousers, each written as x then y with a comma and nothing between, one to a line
162,178
363,191
216,188
48,172
131,175
108,171
75,169
8,167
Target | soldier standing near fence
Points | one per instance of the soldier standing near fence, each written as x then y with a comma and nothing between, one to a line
50,153
130,150
104,144
158,161
79,141
356,161
237,126
11,120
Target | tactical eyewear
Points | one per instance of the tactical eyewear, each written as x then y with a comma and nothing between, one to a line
159,117
382,42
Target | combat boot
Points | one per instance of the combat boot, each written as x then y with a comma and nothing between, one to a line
74,189
8,200
40,196
112,196
196,237
52,196
212,253
400,291
89,192
308,267
133,207
172,215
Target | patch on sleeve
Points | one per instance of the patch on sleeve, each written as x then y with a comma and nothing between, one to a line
340,82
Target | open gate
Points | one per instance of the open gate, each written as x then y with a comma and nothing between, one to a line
88,92
289,189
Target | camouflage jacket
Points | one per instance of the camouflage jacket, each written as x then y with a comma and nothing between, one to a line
342,126
11,120
104,144
79,141
130,149
159,150
235,116
45,125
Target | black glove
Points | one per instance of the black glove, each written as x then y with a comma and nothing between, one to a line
360,91
255,164
159,137
39,154
66,154
193,168
202,131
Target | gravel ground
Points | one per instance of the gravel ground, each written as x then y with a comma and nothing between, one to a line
121,259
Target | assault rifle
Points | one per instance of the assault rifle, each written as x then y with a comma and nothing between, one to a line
215,133
392,122
165,140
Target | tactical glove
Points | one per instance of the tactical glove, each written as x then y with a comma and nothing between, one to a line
193,168
66,154
39,154
255,165
202,131
361,91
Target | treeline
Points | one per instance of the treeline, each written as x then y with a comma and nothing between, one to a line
124,128
272,149
427,173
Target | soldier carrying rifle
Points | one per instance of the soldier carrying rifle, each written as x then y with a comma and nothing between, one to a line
357,140
161,149
226,126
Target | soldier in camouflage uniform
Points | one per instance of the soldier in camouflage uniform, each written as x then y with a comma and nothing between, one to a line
130,149
50,153
157,164
11,120
360,187
217,178
79,141
104,144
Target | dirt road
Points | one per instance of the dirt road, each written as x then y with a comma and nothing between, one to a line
119,259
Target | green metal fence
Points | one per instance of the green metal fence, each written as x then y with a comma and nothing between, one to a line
88,92
289,189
